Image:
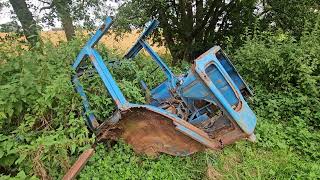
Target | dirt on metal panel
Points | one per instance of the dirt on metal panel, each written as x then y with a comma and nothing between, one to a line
151,133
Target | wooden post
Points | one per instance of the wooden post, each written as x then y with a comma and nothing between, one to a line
78,165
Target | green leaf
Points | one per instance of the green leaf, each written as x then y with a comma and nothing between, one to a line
21,158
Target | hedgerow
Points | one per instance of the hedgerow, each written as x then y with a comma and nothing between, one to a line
286,76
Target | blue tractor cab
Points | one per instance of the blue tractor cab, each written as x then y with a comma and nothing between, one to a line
205,107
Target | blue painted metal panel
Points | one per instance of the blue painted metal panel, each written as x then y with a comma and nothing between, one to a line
220,82
244,117
160,93
194,86
231,70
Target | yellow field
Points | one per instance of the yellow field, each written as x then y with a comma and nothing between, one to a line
121,46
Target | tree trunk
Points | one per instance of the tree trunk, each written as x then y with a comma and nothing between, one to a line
25,17
63,10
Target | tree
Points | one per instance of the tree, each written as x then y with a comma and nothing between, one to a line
62,8
71,11
11,26
189,27
289,15
25,17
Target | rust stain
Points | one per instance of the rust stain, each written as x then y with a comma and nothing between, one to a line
117,102
102,27
152,133
231,136
214,142
92,58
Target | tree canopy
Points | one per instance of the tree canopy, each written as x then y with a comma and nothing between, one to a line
187,27
190,27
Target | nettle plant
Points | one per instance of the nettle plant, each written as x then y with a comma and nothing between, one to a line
40,120
41,117
285,74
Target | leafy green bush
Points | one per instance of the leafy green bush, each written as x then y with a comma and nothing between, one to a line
41,127
121,162
286,78
247,161
41,122
279,62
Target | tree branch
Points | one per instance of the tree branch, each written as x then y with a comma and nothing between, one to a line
212,22
45,2
199,11
210,9
47,7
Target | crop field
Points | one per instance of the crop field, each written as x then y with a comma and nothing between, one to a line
120,45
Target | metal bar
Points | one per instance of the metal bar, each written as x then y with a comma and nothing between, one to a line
91,119
96,60
93,41
99,33
141,43
79,58
158,60
107,79
134,50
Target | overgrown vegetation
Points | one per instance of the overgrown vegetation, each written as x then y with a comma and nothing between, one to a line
43,131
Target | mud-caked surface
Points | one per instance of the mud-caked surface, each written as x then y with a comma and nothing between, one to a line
151,133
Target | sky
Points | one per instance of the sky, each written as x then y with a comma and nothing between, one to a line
6,15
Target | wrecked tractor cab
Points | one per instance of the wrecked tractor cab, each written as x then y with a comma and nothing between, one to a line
203,108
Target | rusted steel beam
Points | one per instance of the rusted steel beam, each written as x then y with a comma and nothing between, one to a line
78,165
